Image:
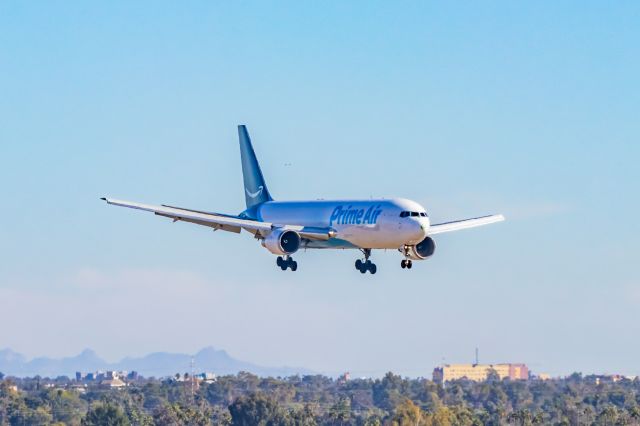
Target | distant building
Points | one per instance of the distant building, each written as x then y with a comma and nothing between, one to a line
116,374
206,377
113,383
78,387
344,378
607,378
479,372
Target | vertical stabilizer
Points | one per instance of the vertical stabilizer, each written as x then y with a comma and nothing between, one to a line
255,188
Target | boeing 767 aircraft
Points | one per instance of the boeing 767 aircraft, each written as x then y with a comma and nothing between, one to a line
284,227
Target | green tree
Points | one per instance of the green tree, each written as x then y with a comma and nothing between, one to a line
105,414
180,414
388,392
257,409
340,413
608,416
440,417
66,406
408,414
524,417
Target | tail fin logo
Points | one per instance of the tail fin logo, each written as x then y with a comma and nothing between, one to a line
254,194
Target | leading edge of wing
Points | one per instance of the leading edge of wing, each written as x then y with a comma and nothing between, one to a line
465,224
221,221
191,215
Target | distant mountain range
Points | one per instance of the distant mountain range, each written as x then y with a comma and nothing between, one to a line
158,364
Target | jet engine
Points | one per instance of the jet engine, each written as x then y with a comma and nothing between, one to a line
282,242
422,250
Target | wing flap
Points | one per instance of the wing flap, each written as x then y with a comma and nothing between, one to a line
215,226
464,224
223,222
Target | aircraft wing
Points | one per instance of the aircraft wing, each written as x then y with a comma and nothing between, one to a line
464,224
222,221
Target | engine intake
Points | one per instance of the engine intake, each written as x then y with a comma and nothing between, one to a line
282,242
423,250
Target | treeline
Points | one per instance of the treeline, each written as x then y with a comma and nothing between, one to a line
246,399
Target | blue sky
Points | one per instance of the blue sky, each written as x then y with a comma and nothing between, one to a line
530,110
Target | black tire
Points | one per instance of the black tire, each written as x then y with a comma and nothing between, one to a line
358,264
294,266
279,261
373,268
409,264
403,264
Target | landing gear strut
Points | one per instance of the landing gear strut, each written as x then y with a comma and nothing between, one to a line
406,262
366,265
287,262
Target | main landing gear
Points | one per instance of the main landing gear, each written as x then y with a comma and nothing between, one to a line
287,262
366,265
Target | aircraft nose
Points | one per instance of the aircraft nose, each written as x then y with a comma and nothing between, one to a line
421,228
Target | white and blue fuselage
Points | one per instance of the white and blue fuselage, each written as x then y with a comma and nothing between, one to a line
372,224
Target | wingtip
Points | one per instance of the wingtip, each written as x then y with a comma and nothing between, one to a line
103,198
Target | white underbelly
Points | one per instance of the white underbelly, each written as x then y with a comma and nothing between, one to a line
374,236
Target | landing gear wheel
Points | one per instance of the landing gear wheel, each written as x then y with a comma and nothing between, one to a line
403,263
366,265
409,264
286,263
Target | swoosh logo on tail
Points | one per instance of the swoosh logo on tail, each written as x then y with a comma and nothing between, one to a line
254,194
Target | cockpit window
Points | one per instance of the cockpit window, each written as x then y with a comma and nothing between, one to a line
413,214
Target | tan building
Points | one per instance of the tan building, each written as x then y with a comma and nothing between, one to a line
479,372
113,383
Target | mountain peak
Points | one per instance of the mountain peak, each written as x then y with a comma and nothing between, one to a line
157,364
210,350
8,355
87,353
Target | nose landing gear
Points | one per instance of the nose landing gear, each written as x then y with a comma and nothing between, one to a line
406,263
287,262
366,265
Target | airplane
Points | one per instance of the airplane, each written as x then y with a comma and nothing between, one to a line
285,227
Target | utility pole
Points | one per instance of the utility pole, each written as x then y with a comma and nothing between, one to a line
193,381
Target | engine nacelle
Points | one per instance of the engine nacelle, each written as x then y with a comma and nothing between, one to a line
282,242
423,250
